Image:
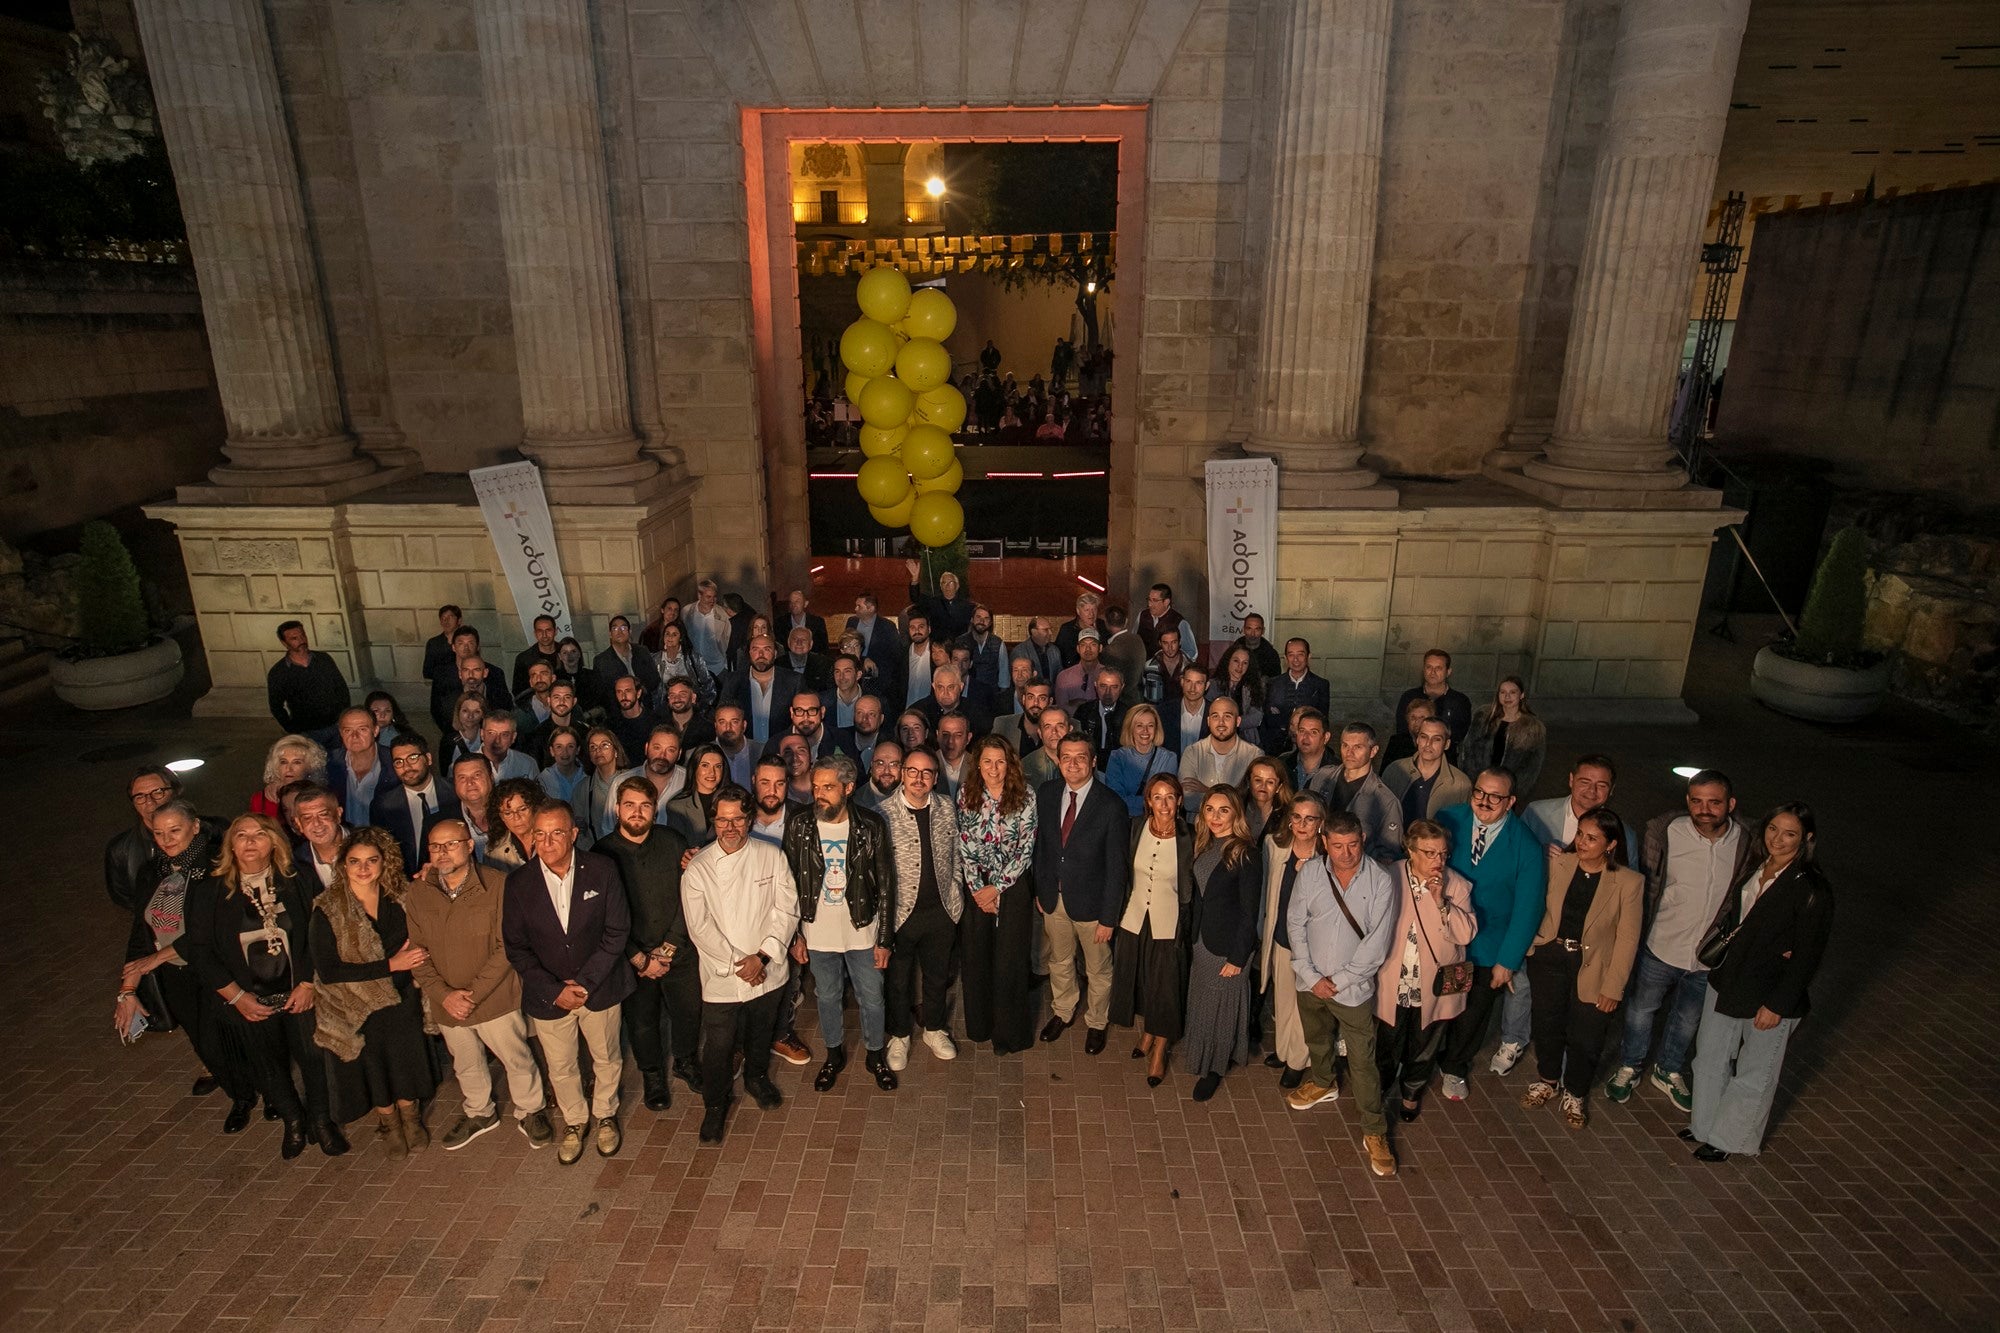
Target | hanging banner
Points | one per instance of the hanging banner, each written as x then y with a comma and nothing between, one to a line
1242,543
517,516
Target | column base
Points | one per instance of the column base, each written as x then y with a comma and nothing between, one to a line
1570,488
1342,490
242,486
626,484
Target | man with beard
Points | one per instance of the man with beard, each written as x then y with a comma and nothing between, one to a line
1023,730
543,649
761,690
625,659
562,714
988,652
808,724
1102,718
732,737
631,721
840,698
533,704
649,856
684,710
408,807
662,767
772,804
858,742
916,664
885,776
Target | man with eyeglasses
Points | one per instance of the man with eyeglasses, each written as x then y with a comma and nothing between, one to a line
808,723
1297,838
316,815
409,807
858,742
470,989
923,838
131,848
1510,879
885,776
742,911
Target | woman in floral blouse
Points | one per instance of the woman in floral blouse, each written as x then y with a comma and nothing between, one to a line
996,843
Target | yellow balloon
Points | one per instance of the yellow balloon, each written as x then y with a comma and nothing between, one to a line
896,515
948,481
884,294
882,481
937,519
886,402
876,441
927,452
932,315
868,348
943,407
856,382
923,364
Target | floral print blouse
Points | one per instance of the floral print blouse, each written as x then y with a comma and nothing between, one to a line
994,848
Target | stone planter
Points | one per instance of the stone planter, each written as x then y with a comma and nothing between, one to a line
97,684
1818,693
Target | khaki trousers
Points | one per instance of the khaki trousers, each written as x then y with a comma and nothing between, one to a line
507,1037
1064,938
1289,1035
560,1038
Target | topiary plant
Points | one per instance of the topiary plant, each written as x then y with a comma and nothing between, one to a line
1836,607
111,611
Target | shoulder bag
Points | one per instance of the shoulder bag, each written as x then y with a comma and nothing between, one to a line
1450,978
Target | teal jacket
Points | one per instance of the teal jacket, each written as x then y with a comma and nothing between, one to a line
1508,886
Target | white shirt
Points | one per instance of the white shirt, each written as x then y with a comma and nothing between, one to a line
423,804
738,904
832,929
919,673
1698,873
324,869
676,780
560,888
1191,724
1204,764
516,765
708,634
1569,824
760,706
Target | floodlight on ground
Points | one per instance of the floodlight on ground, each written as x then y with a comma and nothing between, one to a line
934,187
184,765
1686,771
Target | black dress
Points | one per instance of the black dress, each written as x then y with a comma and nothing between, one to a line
395,1060
1149,974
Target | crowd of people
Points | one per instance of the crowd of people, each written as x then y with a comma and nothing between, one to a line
1071,404
654,848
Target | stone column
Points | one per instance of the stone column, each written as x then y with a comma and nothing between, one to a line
216,84
555,224
1327,165
1671,76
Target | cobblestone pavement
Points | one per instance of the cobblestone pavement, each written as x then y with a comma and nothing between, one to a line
1052,1188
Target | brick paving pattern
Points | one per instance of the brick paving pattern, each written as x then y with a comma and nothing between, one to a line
1051,1189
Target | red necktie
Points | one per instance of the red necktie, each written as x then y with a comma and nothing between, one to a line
1069,819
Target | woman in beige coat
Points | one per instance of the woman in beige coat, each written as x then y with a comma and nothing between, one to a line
1435,925
1581,959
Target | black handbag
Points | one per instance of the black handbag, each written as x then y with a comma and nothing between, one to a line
1714,946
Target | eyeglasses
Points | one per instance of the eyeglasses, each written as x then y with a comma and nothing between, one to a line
447,844
1481,796
152,794
927,774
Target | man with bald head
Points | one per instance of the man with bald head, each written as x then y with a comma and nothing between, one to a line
947,699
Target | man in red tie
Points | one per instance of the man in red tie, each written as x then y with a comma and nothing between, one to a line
1082,868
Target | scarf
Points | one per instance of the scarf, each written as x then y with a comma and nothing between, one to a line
343,1006
166,908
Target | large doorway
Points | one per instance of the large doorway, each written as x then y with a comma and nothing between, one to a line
1023,218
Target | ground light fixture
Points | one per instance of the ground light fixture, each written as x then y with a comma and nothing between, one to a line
1686,771
184,765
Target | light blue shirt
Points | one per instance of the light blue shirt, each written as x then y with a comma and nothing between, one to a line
563,788
516,765
1325,945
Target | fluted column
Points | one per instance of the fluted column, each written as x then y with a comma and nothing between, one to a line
1671,75
555,225
1327,166
216,84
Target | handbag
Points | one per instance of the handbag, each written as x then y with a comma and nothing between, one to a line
1714,946
1450,978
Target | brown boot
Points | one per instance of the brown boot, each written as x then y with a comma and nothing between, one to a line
414,1132
1380,1160
389,1129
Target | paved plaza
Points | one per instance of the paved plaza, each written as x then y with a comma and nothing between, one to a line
1051,1189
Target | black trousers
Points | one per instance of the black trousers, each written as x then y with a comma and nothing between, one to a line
728,1028
200,1014
924,941
270,1050
676,997
1406,1052
1569,1034
996,953
1468,1030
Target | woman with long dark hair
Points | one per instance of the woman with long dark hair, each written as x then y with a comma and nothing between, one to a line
388,714
1267,793
1771,933
1148,954
510,814
1507,733
996,846
1236,678
692,810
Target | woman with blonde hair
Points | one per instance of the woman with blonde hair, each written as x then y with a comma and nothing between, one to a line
996,845
290,759
1412,1007
468,716
370,1019
1140,756
247,943
1149,970
1222,934
1506,733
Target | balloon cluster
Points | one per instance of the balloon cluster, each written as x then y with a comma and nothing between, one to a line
899,379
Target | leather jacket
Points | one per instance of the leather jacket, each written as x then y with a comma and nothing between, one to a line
871,868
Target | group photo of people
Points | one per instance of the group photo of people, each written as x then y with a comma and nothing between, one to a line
653,853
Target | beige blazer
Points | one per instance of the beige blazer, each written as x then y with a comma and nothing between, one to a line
1274,879
1611,929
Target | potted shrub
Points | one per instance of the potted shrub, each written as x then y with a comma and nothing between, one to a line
1823,674
117,661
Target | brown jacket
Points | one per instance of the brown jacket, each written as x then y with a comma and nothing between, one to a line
466,951
1611,929
1452,787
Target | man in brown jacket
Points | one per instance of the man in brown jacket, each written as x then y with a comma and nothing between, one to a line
470,989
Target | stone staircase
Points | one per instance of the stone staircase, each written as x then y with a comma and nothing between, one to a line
24,672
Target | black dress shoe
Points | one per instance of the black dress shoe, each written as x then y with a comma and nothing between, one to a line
329,1138
204,1085
688,1072
1206,1085
238,1118
1406,1112
1274,1061
1708,1152
270,1112
1093,1043
712,1124
829,1073
1685,1135
1054,1028
1155,1080
765,1093
295,1139
878,1065
1138,1052
658,1095
1291,1078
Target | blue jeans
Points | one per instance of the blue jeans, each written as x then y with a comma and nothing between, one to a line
1736,1078
1517,1009
831,971
1651,980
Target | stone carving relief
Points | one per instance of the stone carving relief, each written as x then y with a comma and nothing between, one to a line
101,108
271,553
826,161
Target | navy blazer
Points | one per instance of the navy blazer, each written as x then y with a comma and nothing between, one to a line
734,688
608,668
885,649
390,812
336,773
1091,872
1170,723
591,952
1281,697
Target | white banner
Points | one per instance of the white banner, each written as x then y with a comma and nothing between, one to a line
517,516
1242,543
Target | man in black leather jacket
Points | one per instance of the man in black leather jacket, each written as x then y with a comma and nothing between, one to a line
130,849
839,854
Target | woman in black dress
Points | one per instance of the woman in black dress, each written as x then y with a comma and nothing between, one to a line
370,1019
247,943
1148,962
1222,934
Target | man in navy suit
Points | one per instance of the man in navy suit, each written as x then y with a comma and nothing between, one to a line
799,615
881,644
564,923
763,690
1298,686
1082,867
407,807
360,766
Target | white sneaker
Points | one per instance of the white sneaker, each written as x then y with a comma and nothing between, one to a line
1453,1089
1508,1056
899,1053
941,1044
